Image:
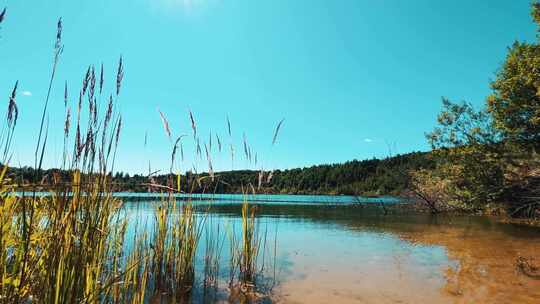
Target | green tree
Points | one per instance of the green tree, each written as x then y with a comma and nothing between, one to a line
468,151
491,155
515,102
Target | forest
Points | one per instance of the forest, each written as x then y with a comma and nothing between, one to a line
358,177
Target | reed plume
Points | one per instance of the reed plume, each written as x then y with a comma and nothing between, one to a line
209,159
67,122
193,125
101,79
13,110
92,86
3,15
65,94
108,114
165,124
86,81
277,131
218,142
245,145
199,152
175,148
210,141
232,154
119,75
12,117
145,138
118,130
58,48
229,126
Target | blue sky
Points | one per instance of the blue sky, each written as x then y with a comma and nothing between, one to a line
351,78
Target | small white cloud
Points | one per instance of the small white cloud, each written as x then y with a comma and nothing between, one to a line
368,140
26,93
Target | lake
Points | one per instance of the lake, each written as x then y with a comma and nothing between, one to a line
317,249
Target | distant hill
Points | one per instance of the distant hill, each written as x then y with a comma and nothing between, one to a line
361,177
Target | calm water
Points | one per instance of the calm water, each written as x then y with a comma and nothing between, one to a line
329,250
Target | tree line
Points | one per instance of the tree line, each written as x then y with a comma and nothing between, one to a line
358,177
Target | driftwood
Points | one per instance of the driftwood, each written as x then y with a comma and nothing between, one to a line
362,204
431,204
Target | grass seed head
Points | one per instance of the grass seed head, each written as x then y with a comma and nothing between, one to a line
13,110
165,124
3,15
65,94
101,79
193,125
67,122
119,75
277,131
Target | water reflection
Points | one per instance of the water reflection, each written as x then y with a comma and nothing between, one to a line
350,254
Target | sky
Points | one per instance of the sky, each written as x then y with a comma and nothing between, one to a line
351,79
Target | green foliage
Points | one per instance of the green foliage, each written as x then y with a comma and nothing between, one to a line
536,12
490,155
515,102
460,125
357,177
368,177
467,150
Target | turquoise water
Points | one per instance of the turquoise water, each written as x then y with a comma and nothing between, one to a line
269,198
259,198
321,249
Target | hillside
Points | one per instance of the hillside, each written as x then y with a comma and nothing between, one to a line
367,177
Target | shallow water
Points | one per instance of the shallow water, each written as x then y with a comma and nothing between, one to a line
337,252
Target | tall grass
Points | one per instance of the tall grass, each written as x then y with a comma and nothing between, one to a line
65,247
250,246
214,241
70,246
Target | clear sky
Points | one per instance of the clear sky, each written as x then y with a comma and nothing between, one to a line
351,78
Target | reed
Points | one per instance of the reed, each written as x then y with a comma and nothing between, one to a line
250,246
172,252
3,15
214,245
250,279
65,247
70,246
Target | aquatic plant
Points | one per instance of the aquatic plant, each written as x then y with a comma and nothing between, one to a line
173,247
70,245
214,243
250,246
67,246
